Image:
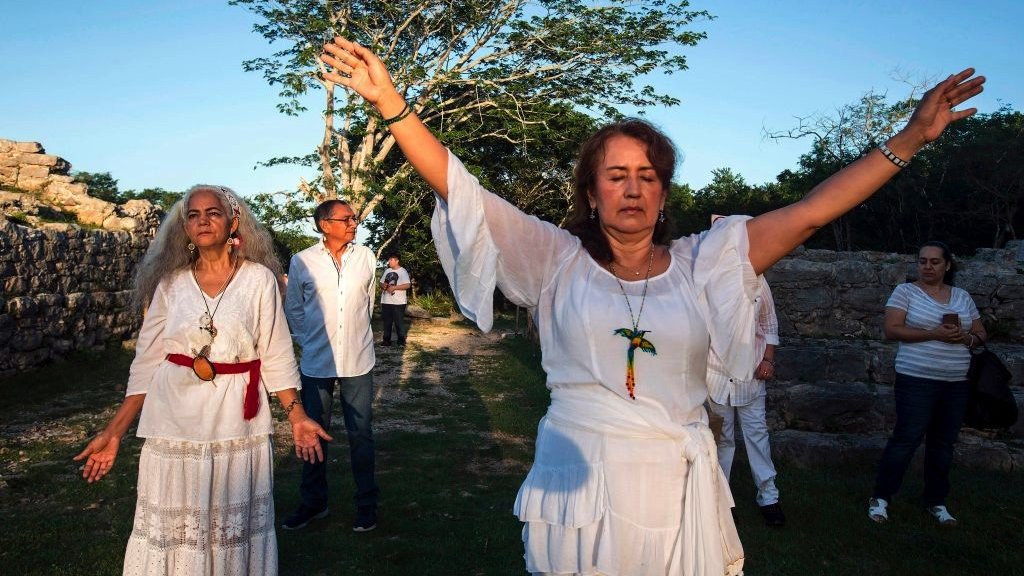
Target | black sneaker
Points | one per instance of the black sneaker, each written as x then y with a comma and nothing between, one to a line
303,516
773,515
366,519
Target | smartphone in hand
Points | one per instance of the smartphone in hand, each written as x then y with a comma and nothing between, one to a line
951,319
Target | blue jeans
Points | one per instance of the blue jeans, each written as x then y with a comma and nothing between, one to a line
926,409
357,407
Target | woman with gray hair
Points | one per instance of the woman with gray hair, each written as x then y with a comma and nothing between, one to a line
213,343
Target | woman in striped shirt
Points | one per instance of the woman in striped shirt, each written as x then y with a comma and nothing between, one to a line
936,324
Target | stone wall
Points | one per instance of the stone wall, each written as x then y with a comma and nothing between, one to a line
67,260
825,294
64,290
38,188
832,401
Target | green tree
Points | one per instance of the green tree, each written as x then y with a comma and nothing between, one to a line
980,175
839,139
728,193
288,223
478,71
101,185
158,196
104,186
965,188
535,175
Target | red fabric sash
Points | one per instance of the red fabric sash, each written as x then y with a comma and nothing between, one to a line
251,403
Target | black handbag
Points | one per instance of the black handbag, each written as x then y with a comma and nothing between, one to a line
991,403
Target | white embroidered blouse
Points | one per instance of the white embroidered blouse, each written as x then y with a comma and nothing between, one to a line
250,324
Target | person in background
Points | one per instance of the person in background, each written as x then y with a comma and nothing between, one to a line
625,479
394,283
213,343
331,288
936,325
729,396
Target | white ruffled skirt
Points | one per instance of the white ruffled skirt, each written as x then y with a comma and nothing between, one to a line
204,508
596,502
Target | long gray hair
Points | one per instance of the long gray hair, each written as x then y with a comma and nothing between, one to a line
168,252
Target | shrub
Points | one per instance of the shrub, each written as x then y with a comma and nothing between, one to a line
438,303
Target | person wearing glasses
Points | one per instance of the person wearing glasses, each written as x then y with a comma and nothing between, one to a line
331,289
213,344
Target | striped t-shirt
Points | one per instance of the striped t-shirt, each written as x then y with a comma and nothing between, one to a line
933,359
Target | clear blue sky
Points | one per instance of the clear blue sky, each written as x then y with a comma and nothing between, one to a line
153,91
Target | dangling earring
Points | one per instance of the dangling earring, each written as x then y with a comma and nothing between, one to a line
661,215
191,248
593,213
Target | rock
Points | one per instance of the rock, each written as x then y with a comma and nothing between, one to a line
414,311
30,147
22,307
848,407
817,450
7,326
31,183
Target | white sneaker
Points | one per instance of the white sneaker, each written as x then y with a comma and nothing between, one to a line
943,516
878,510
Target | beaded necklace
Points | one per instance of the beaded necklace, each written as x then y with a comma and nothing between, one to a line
636,335
201,364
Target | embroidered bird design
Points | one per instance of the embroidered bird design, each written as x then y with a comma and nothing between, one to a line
636,340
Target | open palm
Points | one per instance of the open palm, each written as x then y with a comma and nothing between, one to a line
99,455
935,111
357,68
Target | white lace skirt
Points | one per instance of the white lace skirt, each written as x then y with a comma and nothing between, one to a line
204,508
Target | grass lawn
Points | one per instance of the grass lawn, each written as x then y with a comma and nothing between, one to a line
451,454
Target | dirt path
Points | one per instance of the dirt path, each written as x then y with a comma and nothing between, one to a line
436,351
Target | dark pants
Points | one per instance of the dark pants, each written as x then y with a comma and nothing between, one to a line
393,314
925,409
357,407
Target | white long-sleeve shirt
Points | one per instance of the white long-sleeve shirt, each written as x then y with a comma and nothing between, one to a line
727,389
329,308
618,486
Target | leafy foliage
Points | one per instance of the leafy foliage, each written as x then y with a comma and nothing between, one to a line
535,176
966,188
104,186
497,78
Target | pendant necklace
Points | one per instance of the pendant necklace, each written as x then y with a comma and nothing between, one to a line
636,335
201,364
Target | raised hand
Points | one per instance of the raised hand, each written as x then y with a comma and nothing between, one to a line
99,456
935,111
357,69
307,434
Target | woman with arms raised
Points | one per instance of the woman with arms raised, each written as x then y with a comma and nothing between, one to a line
213,343
624,480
